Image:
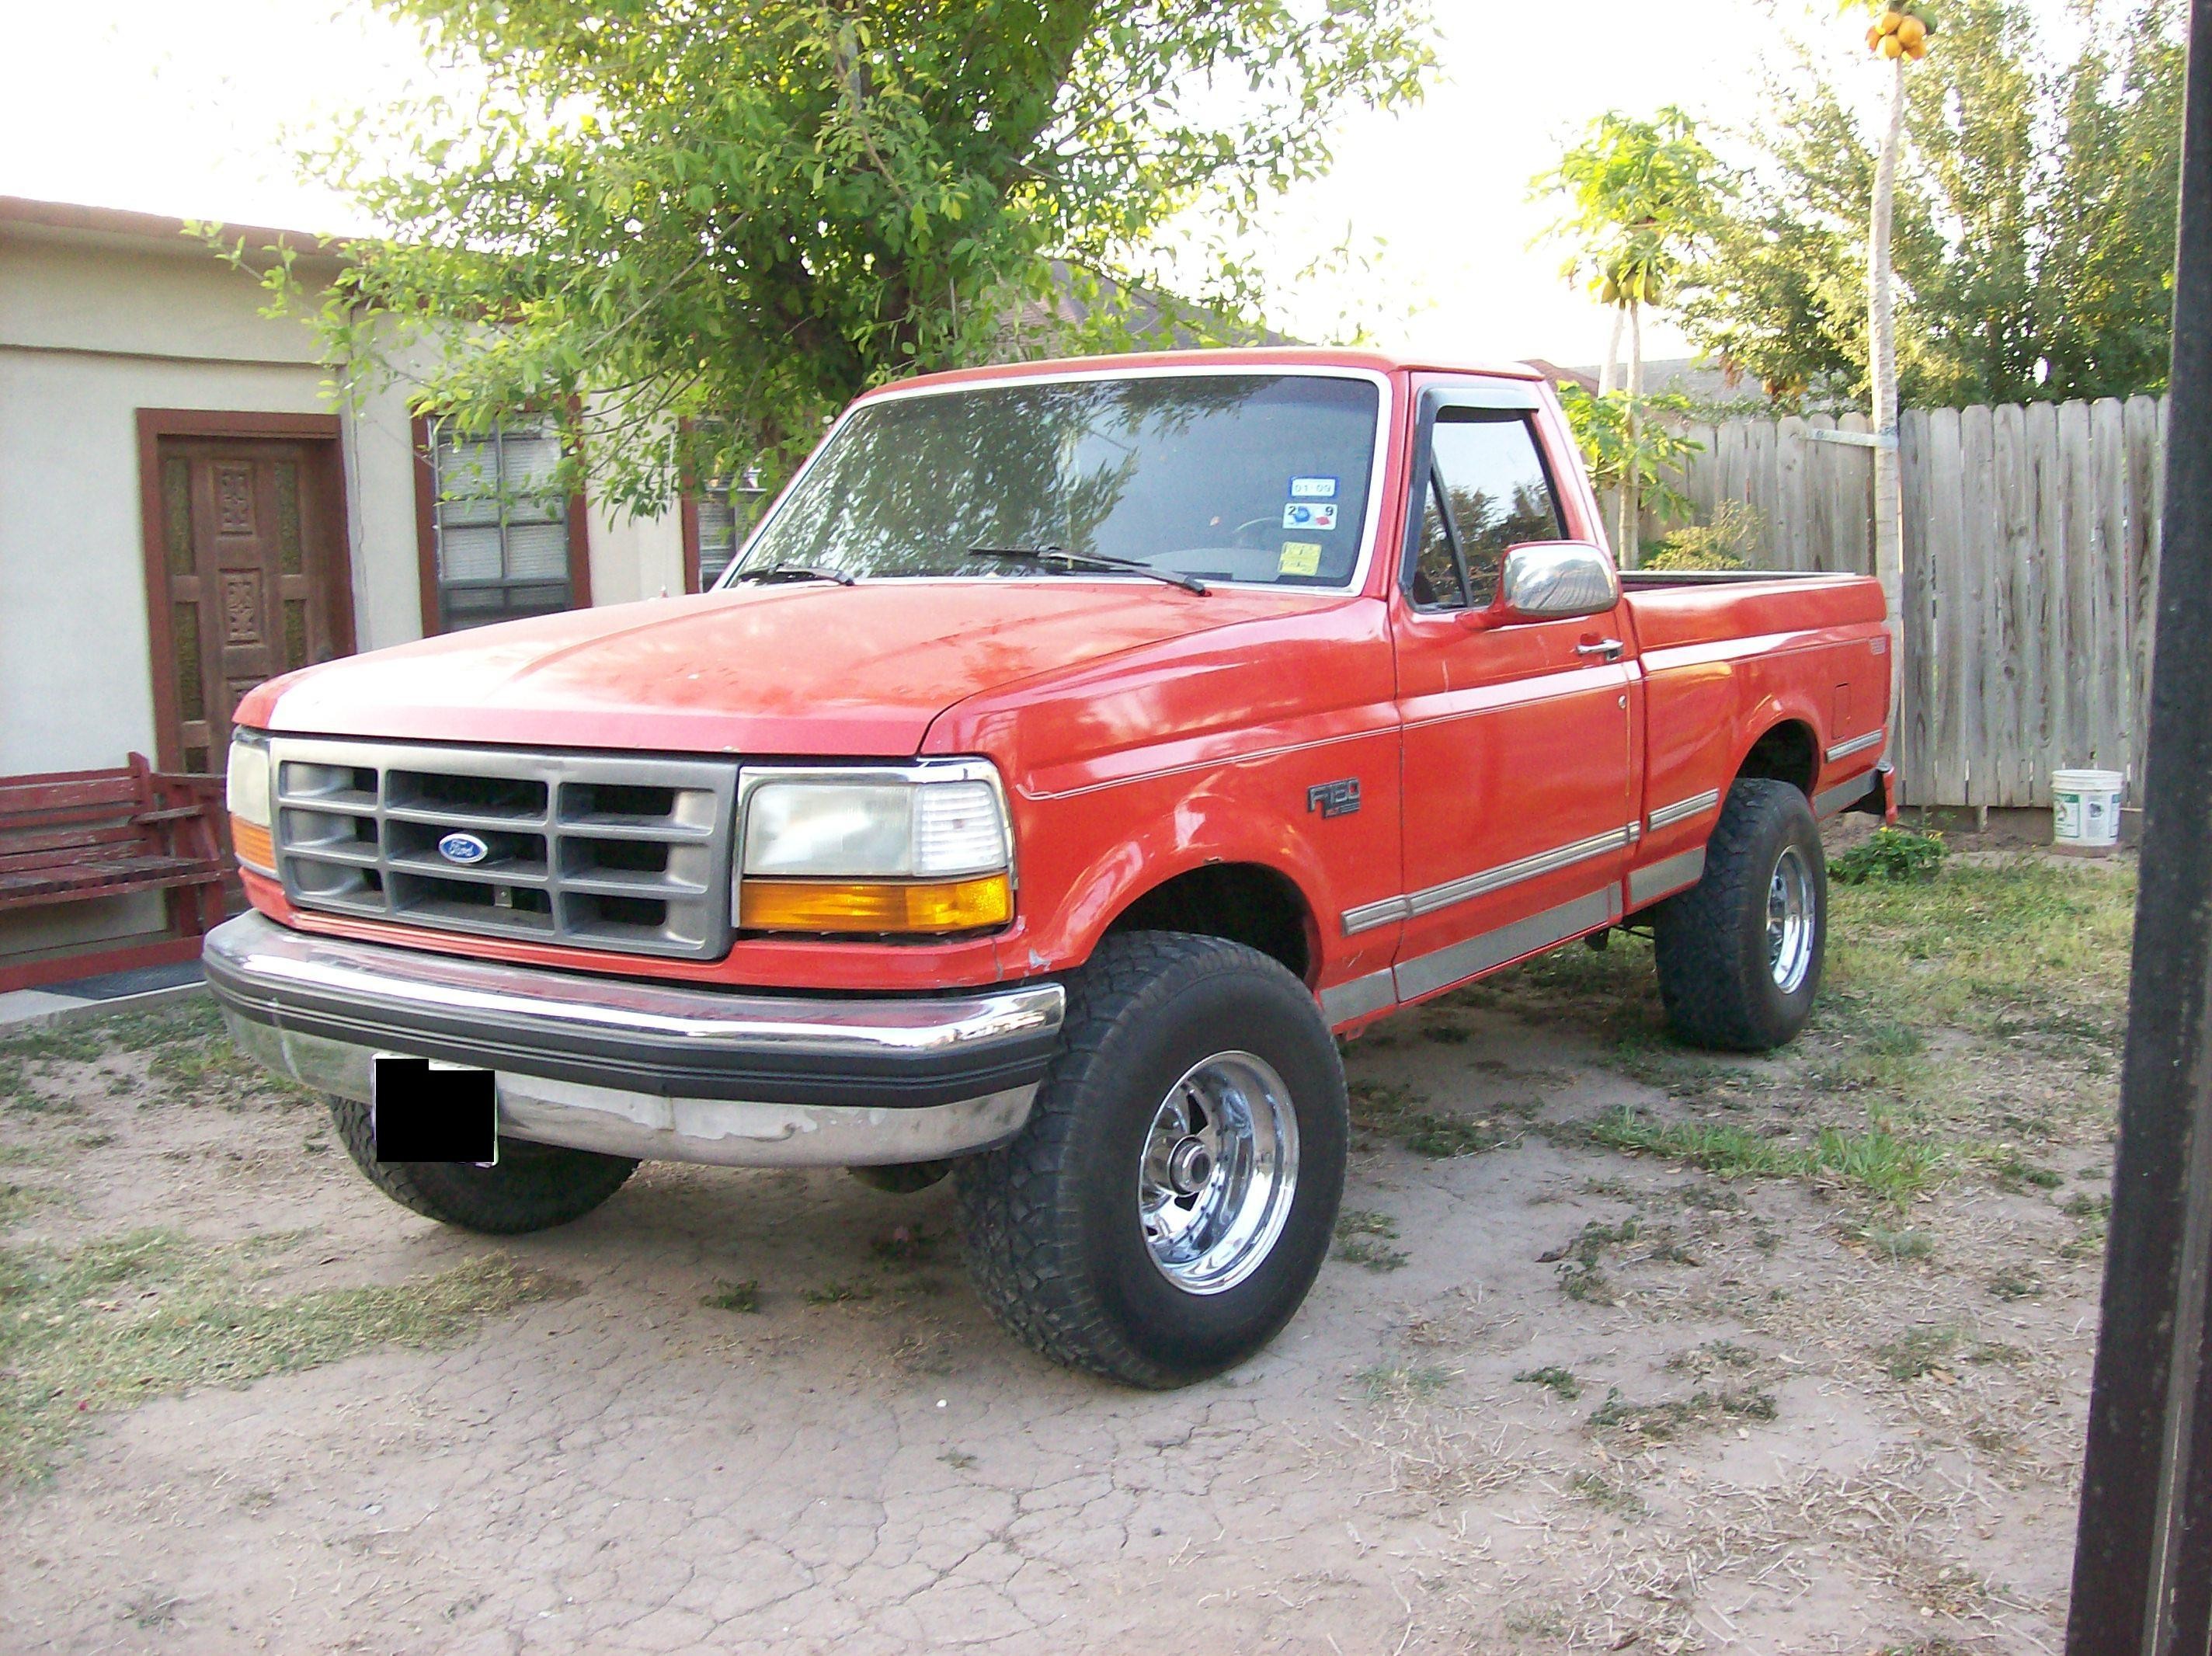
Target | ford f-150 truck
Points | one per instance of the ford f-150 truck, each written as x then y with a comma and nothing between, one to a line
1072,753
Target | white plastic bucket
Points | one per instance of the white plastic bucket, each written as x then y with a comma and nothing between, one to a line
2085,809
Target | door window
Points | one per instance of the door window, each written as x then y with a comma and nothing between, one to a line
1436,584
1496,494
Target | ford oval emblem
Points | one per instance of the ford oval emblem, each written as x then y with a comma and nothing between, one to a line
464,848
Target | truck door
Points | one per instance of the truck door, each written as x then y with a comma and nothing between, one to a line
1518,808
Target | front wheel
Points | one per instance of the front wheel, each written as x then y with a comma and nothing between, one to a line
1739,953
1168,1205
533,1187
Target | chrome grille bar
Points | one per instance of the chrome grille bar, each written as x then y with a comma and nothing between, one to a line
624,852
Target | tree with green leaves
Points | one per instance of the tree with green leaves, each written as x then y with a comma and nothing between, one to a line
1640,198
690,229
2032,234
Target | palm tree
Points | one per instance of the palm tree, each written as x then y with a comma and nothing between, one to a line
1899,34
1639,196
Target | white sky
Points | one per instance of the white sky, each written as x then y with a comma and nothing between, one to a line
181,107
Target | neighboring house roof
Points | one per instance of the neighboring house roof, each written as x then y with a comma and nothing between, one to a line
72,221
1558,375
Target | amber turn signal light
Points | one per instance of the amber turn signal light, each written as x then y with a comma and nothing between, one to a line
253,846
837,905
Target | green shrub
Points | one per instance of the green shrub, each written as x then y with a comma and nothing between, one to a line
1726,543
1898,854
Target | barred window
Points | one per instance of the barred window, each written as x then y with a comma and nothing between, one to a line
500,526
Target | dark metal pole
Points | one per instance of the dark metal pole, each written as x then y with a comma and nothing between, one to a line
2143,1559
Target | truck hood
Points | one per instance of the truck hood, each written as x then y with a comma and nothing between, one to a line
814,669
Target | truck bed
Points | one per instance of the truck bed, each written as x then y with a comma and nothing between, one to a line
1677,609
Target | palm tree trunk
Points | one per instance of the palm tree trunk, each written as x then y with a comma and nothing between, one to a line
1881,371
1627,540
1609,379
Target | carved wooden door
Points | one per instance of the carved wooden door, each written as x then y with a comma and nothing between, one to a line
254,562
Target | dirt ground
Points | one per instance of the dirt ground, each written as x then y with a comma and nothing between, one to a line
1646,1351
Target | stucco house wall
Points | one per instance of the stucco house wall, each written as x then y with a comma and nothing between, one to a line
104,313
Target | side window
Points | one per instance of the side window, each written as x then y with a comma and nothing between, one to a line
1495,487
1435,583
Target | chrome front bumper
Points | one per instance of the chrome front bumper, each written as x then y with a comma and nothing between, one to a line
648,1069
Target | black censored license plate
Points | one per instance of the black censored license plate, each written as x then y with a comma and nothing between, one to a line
423,1111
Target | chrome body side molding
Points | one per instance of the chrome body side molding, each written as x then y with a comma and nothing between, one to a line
1669,874
1682,810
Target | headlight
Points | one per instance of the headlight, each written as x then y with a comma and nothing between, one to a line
247,791
922,848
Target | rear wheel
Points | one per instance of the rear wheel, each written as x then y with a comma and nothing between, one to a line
1170,1201
1740,952
533,1187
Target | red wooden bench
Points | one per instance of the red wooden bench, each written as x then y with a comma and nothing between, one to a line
71,836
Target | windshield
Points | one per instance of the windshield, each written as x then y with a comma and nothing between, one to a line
1244,477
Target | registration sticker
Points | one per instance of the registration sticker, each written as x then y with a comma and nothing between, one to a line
1313,488
1298,515
1299,557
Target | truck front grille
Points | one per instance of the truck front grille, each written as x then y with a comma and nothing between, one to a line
602,852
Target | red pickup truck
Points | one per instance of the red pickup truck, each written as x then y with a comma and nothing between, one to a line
1073,752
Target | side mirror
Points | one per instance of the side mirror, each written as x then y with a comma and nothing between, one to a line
1552,580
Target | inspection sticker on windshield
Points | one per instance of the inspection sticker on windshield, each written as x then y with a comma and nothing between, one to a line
1313,488
1299,557
1297,516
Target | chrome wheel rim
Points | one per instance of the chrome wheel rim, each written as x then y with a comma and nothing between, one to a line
1789,921
1219,1170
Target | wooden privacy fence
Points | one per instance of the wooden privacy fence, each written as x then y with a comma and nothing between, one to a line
2030,554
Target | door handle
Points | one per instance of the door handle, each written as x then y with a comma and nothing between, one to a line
1608,647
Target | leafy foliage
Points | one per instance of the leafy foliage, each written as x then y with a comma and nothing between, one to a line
1890,854
1638,193
2033,231
664,218
1726,543
1648,449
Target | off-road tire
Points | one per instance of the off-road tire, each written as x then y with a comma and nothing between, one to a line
534,1187
1714,975
1054,1243
903,1177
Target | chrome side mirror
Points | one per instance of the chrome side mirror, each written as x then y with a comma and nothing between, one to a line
1552,579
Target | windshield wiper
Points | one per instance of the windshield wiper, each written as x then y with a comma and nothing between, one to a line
1059,558
768,572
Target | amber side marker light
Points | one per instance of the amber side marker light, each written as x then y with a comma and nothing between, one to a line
253,845
836,905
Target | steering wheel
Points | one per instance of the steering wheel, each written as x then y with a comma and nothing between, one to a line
1255,527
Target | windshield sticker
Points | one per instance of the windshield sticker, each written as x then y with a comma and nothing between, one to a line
1299,557
1298,516
1313,488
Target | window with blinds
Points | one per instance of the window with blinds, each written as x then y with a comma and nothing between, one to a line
502,526
722,514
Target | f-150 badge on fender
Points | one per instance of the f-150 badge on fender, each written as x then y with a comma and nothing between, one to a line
1335,799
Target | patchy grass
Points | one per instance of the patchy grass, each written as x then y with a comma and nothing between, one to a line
1559,1382
187,1049
1917,1352
1664,1422
1363,1238
1897,1246
1402,1382
740,1296
2013,1171
837,1293
907,1245
117,1321
1875,1160
1400,1116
